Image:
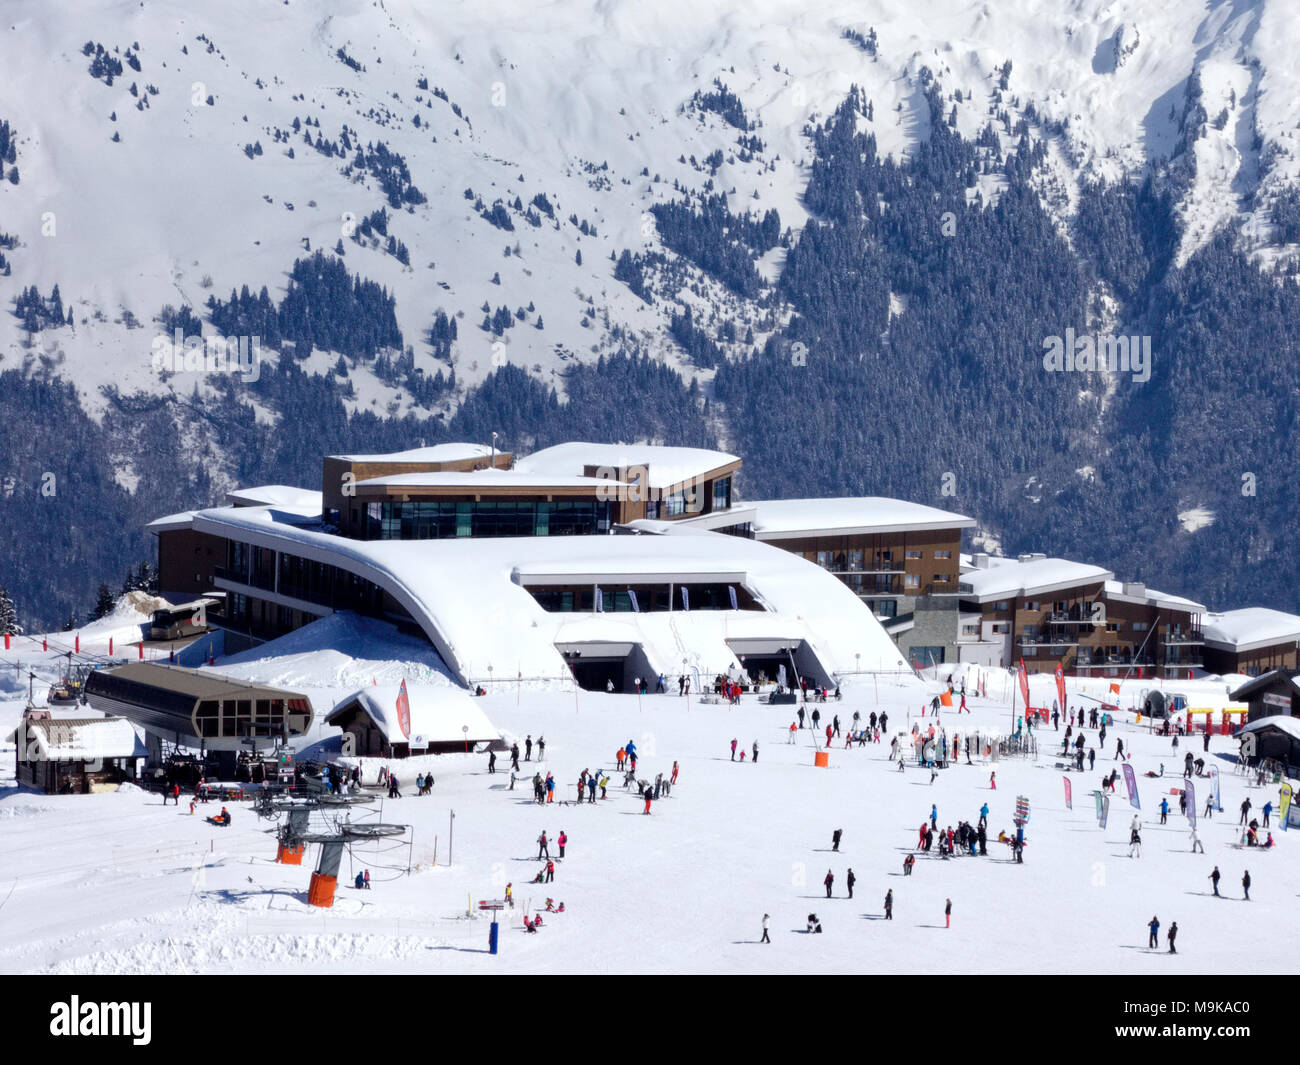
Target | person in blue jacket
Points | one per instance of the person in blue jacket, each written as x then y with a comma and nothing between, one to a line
1154,926
1164,811
934,817
984,814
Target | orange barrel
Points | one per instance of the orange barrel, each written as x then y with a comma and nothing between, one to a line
321,892
822,759
290,855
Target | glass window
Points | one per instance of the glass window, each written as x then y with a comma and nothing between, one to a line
722,493
911,580
943,554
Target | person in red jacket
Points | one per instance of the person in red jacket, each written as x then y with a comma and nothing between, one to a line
550,870
561,839
829,882
674,780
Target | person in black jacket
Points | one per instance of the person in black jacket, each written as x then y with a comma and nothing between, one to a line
829,882
889,905
851,880
1173,934
835,839
1214,879
1245,884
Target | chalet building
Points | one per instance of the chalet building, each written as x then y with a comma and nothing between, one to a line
1252,641
75,755
890,552
1272,694
1050,611
437,721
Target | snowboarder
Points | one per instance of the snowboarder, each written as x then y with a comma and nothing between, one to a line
1245,884
850,881
889,905
766,919
1154,926
1214,879
835,839
829,882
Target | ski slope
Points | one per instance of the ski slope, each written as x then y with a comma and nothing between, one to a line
117,883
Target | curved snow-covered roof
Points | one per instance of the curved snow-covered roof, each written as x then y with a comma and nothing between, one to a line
305,501
464,596
779,518
1250,628
668,465
1041,576
434,453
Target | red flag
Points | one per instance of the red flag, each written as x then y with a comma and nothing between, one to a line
1060,686
1024,683
404,711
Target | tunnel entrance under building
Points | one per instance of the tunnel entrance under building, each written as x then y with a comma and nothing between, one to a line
596,666
763,659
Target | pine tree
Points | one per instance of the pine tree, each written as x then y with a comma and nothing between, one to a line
104,603
8,615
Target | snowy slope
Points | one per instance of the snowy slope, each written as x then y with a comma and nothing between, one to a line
680,891
573,100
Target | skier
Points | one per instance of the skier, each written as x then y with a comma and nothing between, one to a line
561,839
993,780
889,905
514,756
1154,926
1214,879
829,881
984,815
1135,838
851,880
648,796
883,718
1245,884
492,761
1209,806
1173,934
674,779
528,747
816,719
947,913
1164,811
756,752
1207,737
1196,842
934,817
541,748
542,846
835,839
733,749
801,717
1119,749
1245,810
550,788
550,870
908,862
1187,764
766,919
1268,809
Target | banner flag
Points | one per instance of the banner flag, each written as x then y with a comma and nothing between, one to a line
686,598
1060,686
600,600
1284,804
731,591
1069,805
636,607
1189,791
1214,783
1105,811
1024,683
1130,781
404,711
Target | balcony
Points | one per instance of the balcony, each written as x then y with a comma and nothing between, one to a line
1068,617
1095,661
1172,639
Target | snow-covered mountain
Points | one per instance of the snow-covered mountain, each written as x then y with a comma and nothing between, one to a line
587,102
159,154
